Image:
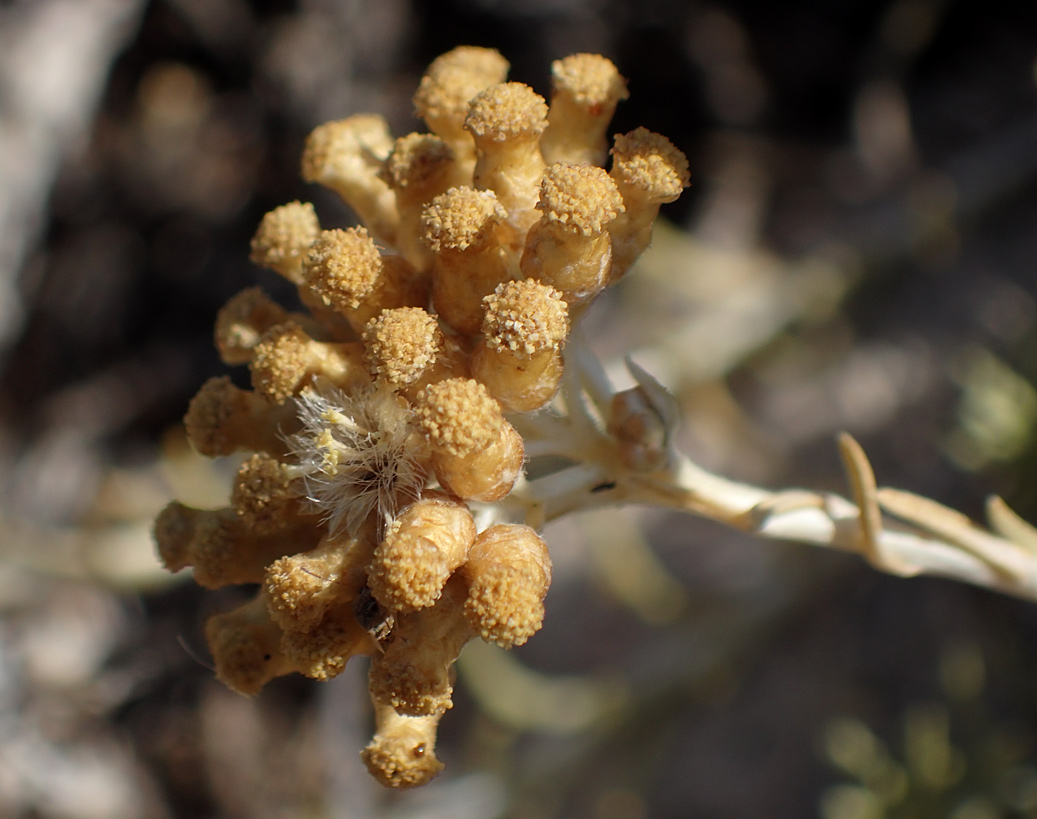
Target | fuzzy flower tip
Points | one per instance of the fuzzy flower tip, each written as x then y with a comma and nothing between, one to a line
357,454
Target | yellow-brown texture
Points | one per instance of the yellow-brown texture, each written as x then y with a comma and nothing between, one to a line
420,168
402,753
448,85
283,237
519,358
463,228
585,89
508,573
222,419
512,251
346,156
322,652
221,547
569,248
346,271
241,322
414,675
638,430
506,122
424,546
302,587
246,648
405,349
287,360
266,495
476,453
649,171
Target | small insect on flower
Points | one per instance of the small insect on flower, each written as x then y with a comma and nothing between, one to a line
375,620
357,454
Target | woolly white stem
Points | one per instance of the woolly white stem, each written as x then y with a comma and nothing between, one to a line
897,532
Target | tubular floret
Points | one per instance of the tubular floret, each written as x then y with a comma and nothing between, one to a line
519,357
649,171
346,156
585,89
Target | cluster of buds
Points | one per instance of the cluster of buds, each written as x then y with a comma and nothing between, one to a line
378,417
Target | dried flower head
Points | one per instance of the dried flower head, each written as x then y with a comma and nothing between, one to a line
357,454
377,414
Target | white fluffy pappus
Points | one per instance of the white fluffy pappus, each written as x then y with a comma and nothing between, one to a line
356,454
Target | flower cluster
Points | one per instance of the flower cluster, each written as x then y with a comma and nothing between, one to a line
378,418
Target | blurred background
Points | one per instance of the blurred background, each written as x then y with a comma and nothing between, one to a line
856,252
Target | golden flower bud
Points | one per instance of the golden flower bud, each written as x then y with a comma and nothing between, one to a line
283,238
242,321
476,453
246,648
446,89
346,156
222,419
426,543
346,272
569,248
267,496
301,587
508,573
402,752
323,651
287,360
420,167
221,547
506,121
639,430
519,358
649,171
405,349
414,673
585,89
463,227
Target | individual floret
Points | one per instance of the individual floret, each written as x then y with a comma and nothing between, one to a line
220,547
476,453
465,230
506,122
322,652
287,360
267,495
508,573
222,419
402,753
414,674
405,349
345,270
426,543
519,357
420,167
346,156
446,89
585,89
302,587
246,648
649,171
570,248
283,238
242,321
